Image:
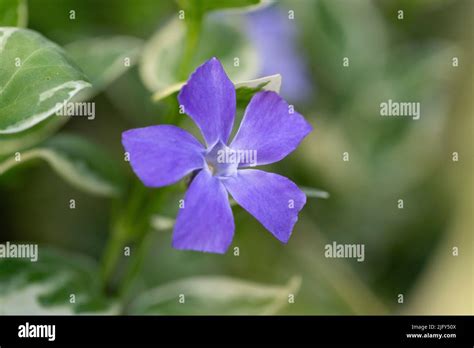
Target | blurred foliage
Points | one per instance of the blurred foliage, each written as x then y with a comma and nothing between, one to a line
408,250
79,162
44,287
211,295
13,13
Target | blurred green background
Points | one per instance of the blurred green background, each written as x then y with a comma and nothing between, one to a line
408,251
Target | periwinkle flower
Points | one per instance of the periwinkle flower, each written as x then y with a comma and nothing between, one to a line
275,38
162,155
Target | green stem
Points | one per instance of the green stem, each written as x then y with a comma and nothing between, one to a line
143,239
172,114
131,221
111,255
122,223
136,263
194,28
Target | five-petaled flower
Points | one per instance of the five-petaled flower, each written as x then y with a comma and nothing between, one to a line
162,155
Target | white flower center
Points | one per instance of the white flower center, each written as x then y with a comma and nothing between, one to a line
222,161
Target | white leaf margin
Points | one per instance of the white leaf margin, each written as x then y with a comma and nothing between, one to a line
271,83
220,289
65,168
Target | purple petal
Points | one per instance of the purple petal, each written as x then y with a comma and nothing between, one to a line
162,155
272,199
205,223
270,128
209,99
276,39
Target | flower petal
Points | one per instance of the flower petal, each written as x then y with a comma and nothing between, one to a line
276,41
272,199
270,129
209,99
162,155
205,223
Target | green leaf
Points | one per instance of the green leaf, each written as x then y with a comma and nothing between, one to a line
160,63
104,59
36,79
314,193
167,91
214,295
266,83
45,286
13,13
10,143
162,223
202,6
77,161
244,89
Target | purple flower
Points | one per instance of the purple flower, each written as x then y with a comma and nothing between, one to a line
275,36
162,155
